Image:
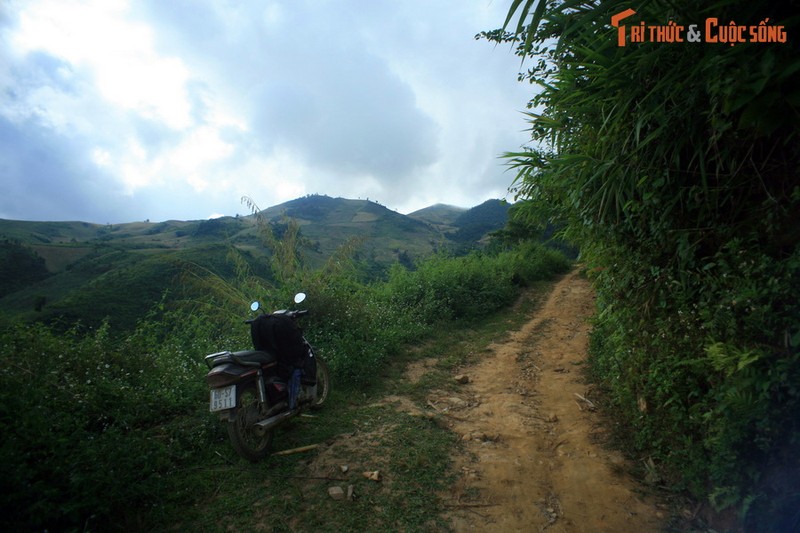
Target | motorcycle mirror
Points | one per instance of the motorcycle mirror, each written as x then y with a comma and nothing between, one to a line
255,306
299,297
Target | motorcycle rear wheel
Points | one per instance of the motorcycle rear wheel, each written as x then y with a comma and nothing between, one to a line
323,384
249,441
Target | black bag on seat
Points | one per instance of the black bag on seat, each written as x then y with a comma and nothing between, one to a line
280,335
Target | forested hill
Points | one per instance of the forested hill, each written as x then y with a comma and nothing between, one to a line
474,224
83,271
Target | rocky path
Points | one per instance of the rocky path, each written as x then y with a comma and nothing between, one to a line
530,460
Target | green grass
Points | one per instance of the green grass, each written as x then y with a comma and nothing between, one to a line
283,493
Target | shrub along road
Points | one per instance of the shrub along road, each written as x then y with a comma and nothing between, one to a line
531,459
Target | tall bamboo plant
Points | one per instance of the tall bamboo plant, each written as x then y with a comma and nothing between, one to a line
675,167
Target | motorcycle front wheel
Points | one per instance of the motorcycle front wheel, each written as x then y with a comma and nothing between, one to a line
323,384
250,441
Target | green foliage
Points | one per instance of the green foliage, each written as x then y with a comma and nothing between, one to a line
103,426
675,169
19,266
89,427
217,228
109,293
122,285
480,220
471,286
359,326
354,327
520,228
283,240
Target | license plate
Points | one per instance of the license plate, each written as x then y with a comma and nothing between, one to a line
224,398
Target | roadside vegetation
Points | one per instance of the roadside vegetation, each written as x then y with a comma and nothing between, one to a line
106,430
674,167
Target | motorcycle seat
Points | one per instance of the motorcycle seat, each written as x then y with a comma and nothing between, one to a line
255,356
248,357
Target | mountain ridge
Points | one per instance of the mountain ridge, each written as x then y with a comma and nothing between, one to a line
92,270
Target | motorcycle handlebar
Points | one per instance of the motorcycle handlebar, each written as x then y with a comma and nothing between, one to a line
292,314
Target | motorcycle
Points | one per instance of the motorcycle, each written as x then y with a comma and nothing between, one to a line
255,391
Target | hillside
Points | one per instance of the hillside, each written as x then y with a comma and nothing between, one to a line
476,223
440,215
385,236
71,271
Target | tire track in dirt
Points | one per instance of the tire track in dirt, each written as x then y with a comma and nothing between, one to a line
530,460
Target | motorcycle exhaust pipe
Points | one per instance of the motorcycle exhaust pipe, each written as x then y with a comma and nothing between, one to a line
271,422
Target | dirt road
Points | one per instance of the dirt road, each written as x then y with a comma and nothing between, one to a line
531,461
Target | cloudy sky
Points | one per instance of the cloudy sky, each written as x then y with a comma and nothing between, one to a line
117,111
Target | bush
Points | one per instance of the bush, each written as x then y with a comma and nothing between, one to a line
708,377
471,286
88,422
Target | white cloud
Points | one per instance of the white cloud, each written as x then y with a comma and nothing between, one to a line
179,108
197,152
102,158
117,52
